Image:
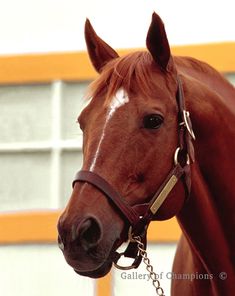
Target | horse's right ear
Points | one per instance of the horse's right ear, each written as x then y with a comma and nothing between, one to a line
99,51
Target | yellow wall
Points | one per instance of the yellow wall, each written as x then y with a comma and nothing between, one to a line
76,66
40,227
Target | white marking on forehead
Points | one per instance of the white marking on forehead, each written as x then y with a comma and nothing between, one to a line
119,99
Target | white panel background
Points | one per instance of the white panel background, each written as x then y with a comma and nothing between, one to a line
57,25
39,270
161,257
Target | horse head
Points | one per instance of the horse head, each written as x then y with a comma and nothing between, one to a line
130,132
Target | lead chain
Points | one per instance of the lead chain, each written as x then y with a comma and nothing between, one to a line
149,267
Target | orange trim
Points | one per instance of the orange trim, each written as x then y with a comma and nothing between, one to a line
104,285
38,68
164,231
219,55
45,68
27,227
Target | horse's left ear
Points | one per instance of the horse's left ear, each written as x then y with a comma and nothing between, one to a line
157,43
99,51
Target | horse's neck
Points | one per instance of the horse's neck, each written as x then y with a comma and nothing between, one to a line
207,75
204,231
208,219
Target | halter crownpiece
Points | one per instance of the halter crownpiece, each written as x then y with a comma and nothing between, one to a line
139,216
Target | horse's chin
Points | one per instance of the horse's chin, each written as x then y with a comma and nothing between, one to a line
103,267
97,273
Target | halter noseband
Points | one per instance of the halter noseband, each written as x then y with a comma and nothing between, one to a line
139,216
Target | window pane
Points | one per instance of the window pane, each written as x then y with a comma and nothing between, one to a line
231,78
71,163
25,113
72,103
25,180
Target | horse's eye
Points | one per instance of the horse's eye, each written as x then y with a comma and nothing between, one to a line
153,121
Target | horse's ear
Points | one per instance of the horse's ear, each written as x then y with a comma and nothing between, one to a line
157,42
99,52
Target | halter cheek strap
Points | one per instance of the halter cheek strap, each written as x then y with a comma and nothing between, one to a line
139,216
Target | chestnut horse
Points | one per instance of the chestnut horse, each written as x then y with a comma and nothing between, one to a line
131,131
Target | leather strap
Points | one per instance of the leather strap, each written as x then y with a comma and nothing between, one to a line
128,212
186,133
140,215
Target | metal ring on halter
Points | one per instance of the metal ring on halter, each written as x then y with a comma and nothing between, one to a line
124,267
176,155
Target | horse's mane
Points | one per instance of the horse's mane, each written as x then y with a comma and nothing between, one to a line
133,72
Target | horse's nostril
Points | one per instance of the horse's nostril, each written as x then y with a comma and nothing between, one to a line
85,235
89,233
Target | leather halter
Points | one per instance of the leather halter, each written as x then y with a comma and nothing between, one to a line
139,216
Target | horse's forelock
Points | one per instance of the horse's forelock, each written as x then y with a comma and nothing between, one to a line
132,72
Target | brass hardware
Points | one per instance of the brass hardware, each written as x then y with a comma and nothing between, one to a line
163,195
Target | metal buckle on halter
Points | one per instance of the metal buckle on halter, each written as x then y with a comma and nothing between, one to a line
188,124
